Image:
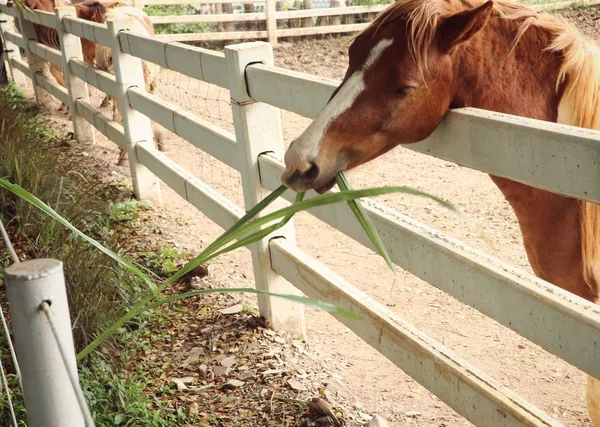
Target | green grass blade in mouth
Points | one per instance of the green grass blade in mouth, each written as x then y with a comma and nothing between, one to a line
365,221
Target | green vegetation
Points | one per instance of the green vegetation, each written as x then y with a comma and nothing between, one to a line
175,10
100,289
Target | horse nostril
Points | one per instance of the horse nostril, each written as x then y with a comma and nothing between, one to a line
312,172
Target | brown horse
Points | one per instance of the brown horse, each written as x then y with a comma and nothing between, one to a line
420,58
100,12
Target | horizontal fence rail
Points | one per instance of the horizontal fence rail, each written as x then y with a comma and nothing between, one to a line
499,144
198,63
529,151
562,323
461,385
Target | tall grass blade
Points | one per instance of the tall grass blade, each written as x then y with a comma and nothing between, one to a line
26,195
365,221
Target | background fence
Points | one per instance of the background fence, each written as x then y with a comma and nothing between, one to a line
219,20
558,321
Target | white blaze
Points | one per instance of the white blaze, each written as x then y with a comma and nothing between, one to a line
307,145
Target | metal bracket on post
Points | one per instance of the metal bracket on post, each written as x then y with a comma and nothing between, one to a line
70,46
12,51
50,398
137,127
258,130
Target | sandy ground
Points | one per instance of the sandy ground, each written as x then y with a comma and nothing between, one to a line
375,383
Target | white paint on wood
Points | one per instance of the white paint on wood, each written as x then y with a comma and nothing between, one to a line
169,171
195,62
34,62
49,395
137,127
101,80
512,297
107,127
47,19
10,11
13,42
469,391
217,18
52,88
88,30
199,132
77,88
46,53
327,29
271,8
216,207
336,11
212,204
12,37
20,65
258,130
225,35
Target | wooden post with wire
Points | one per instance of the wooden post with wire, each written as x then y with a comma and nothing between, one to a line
44,346
11,51
137,127
258,131
35,63
70,46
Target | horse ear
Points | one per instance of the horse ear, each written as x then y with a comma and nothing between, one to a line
460,27
83,11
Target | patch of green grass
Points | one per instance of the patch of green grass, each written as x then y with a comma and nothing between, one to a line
165,261
99,289
175,10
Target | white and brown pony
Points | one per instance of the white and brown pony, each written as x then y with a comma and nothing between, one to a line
100,12
420,58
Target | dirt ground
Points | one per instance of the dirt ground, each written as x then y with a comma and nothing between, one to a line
375,384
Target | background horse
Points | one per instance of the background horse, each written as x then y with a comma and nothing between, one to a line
98,55
418,59
100,12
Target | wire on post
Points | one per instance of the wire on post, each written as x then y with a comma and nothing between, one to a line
89,421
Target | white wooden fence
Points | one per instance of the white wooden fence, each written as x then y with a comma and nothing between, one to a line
269,24
559,158
272,22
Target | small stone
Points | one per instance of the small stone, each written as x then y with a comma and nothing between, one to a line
296,385
234,309
234,384
229,361
221,371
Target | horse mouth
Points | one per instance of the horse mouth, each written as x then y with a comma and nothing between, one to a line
326,187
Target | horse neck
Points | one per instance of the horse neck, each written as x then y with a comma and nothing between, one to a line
521,80
496,75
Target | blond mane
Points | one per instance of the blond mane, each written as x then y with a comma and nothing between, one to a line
580,68
579,72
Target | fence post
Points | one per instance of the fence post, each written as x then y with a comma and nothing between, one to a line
272,22
12,51
258,131
36,64
70,46
49,396
137,127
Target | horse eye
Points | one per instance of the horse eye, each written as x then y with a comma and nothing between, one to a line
404,90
